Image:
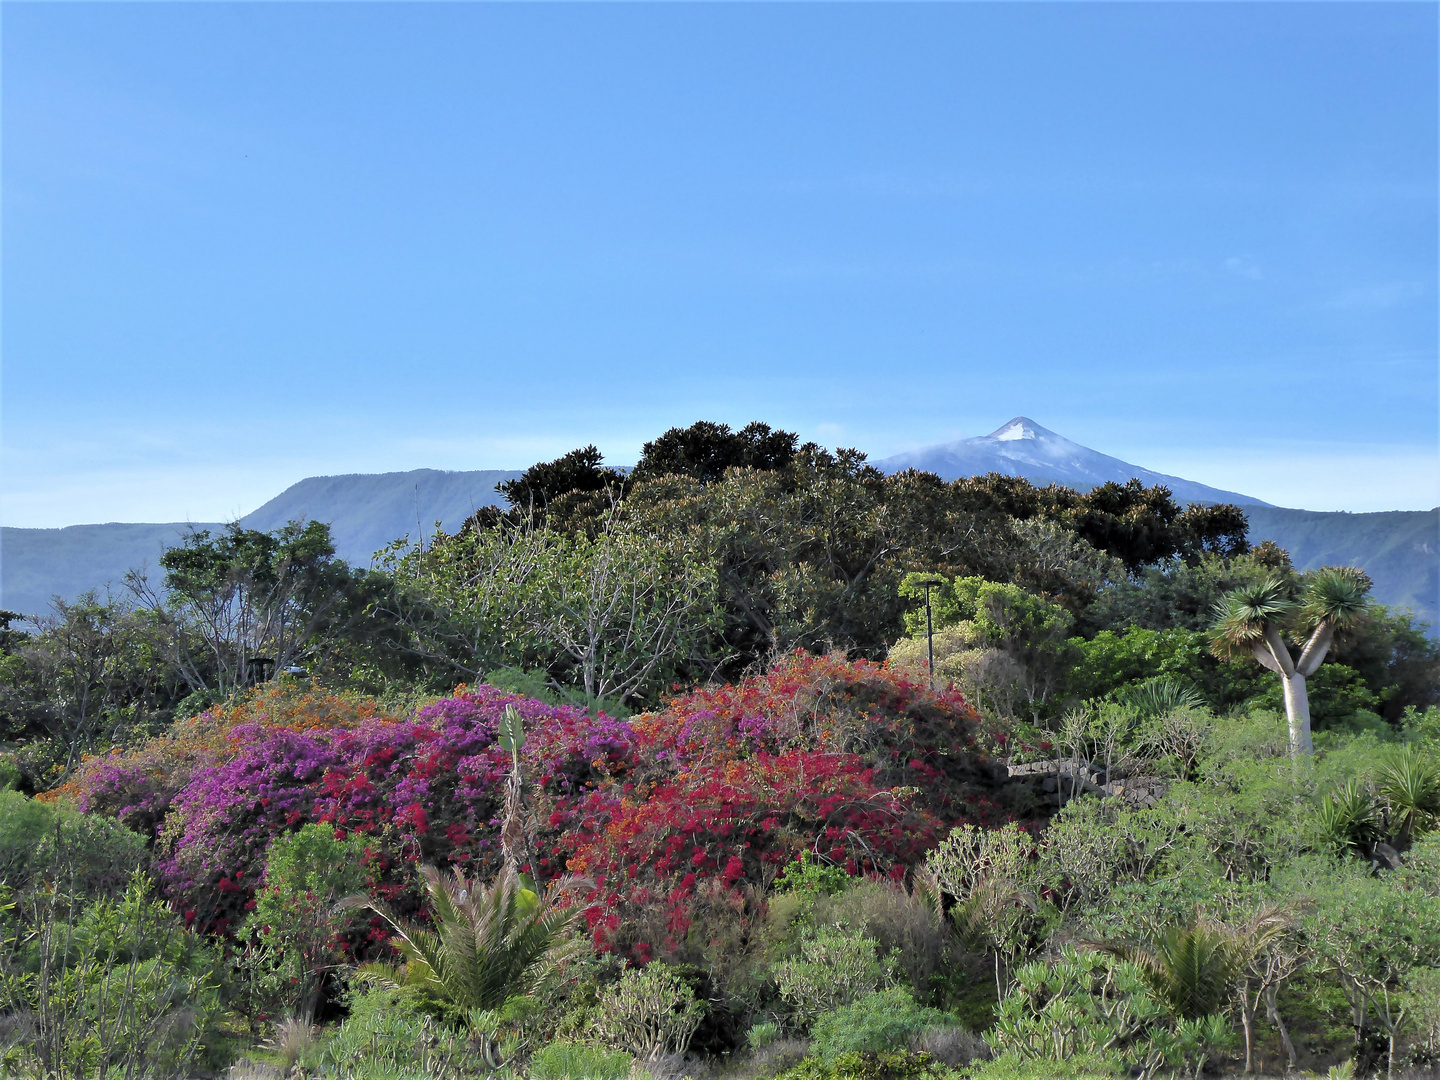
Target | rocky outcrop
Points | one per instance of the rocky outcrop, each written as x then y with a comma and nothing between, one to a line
1066,779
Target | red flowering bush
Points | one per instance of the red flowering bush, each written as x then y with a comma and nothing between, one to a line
718,791
849,760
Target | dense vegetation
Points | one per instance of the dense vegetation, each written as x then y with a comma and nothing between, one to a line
652,770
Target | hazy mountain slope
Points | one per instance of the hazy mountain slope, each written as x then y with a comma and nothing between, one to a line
367,511
1400,550
36,564
1024,448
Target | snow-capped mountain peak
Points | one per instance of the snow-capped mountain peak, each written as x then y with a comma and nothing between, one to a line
1022,427
1022,447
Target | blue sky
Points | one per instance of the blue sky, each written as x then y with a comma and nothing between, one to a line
246,244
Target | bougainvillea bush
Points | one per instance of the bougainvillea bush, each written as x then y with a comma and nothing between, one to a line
848,760
718,791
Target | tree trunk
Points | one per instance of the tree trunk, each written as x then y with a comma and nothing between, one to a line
1247,1021
1273,1012
1297,711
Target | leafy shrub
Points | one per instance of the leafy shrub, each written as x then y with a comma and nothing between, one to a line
389,1035
123,986
854,1066
809,877
649,1013
1091,1006
293,936
49,842
872,1024
834,968
566,1060
909,929
10,773
1422,993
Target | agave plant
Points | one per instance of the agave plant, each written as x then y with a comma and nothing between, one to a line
489,940
1193,968
1160,695
1253,620
1410,785
1350,818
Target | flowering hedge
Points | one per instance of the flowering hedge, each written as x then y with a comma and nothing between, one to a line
846,759
719,789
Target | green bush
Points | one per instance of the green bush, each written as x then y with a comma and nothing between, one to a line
834,968
117,984
388,1036
892,1066
10,774
291,937
51,844
808,877
650,1012
874,1023
566,1060
909,930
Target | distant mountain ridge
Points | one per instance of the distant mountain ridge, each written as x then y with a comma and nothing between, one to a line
1024,448
367,511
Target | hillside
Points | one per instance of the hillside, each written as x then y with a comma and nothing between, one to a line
365,512
368,511
1400,550
1024,448
36,564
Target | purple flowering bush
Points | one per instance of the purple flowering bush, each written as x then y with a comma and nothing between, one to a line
426,788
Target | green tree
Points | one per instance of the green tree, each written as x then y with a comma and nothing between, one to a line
244,603
1017,643
87,676
705,450
1254,619
608,615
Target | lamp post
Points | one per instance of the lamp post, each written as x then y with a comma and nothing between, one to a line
927,585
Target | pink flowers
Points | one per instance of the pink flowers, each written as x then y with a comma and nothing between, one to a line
675,808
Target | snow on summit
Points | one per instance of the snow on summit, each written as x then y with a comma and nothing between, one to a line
1022,447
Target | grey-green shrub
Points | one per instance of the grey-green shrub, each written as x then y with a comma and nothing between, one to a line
116,984
649,1013
878,1022
834,968
82,855
567,1060
909,930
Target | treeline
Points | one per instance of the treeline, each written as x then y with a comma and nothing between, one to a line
720,551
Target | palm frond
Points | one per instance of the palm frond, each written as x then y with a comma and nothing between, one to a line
488,941
1191,969
1410,785
1349,817
1160,695
1339,595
